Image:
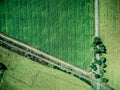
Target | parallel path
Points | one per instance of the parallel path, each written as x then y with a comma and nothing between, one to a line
97,35
44,58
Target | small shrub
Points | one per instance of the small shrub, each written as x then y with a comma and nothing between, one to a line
104,80
102,70
103,59
97,76
101,74
99,62
97,41
93,66
102,49
104,65
102,45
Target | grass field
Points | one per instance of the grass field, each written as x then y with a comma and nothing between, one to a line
24,74
110,34
62,28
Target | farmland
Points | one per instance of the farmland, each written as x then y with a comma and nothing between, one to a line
24,74
62,28
110,34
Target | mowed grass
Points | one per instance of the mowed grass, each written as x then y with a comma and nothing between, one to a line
110,34
62,28
24,74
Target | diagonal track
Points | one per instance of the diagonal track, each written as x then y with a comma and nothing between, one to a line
46,59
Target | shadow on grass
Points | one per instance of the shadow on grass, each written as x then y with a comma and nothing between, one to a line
2,69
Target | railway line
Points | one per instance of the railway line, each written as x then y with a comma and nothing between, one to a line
48,60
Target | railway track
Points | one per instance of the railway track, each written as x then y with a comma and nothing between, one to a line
46,59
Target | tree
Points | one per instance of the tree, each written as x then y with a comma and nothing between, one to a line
104,65
103,59
93,66
103,70
97,76
97,41
102,49
104,80
99,49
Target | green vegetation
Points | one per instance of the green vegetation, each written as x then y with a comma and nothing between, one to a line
99,48
2,69
62,28
65,29
109,16
24,74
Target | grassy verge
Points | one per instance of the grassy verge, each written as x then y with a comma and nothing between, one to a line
24,74
110,34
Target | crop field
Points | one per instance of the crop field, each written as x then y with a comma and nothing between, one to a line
62,28
110,34
24,74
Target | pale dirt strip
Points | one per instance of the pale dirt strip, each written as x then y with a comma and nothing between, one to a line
45,54
66,66
97,35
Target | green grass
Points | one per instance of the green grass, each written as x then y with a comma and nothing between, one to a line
62,28
110,34
24,74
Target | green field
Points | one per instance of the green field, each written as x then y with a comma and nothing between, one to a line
110,34
62,28
24,74
65,29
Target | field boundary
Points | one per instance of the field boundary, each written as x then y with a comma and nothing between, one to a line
97,35
47,60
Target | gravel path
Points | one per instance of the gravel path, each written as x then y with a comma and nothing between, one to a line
97,35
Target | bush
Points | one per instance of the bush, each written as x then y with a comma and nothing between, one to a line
102,70
102,45
97,41
103,59
104,80
104,65
96,50
93,66
101,74
99,62
102,49
97,76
